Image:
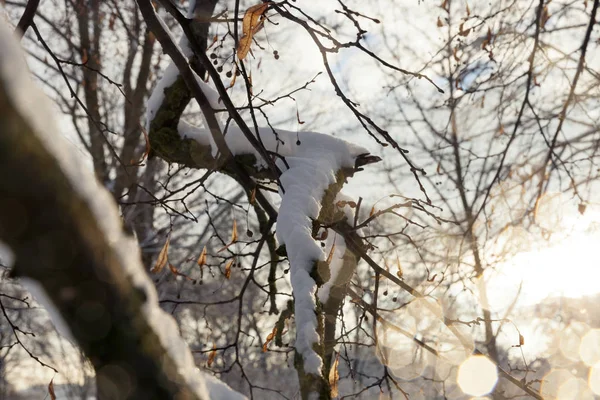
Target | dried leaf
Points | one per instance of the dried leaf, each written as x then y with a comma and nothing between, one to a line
581,208
233,80
111,21
269,339
176,272
253,196
455,55
500,131
545,16
468,10
147,149
212,355
332,251
202,258
439,22
438,170
51,390
399,273
251,24
228,268
462,31
234,234
488,39
234,237
84,57
521,340
372,211
334,376
163,257
298,117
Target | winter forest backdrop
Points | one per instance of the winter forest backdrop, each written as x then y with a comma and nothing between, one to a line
332,199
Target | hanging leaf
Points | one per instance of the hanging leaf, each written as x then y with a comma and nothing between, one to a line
439,23
212,355
234,237
234,234
253,196
298,117
146,150
270,337
176,272
232,83
330,256
51,390
400,272
202,258
468,10
163,256
545,16
581,208
251,24
334,376
521,340
372,211
111,21
228,268
454,53
84,56
488,39
462,31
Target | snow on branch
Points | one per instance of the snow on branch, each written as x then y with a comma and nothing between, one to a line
73,244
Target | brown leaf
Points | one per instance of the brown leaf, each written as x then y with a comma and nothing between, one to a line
334,376
51,390
581,208
111,21
332,251
298,117
146,151
488,39
252,23
202,258
372,211
400,272
84,57
439,23
545,16
468,10
228,268
163,257
234,237
212,355
232,83
521,340
269,339
462,31
176,272
253,196
454,54
234,234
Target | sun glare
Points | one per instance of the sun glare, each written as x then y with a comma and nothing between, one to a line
477,376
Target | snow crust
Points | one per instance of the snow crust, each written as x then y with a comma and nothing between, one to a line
37,108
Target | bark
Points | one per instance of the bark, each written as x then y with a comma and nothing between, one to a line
58,241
